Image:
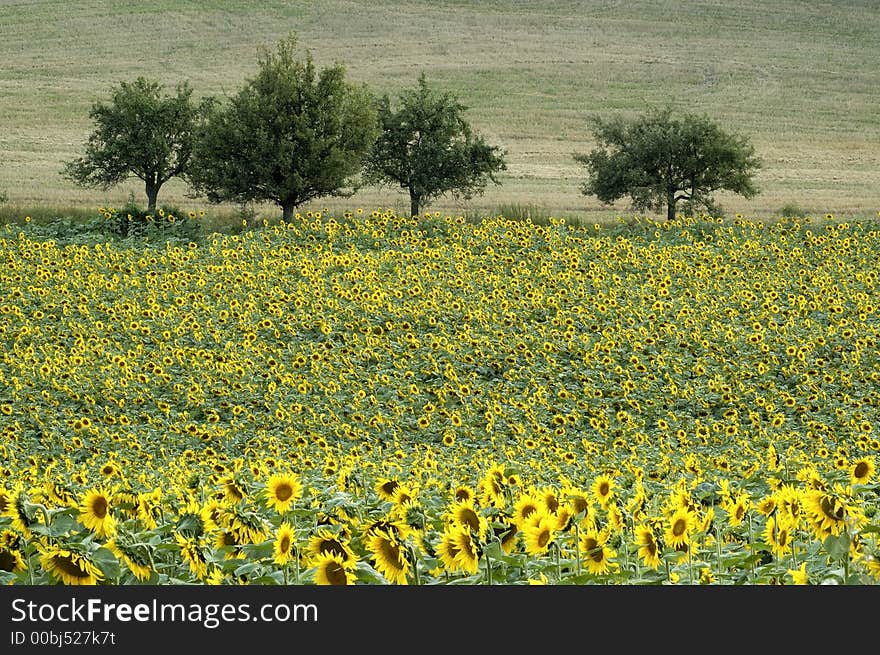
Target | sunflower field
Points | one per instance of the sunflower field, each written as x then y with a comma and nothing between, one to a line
379,399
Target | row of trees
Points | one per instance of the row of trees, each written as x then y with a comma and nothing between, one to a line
293,134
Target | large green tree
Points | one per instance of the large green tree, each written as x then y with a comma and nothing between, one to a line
427,148
660,160
291,134
141,132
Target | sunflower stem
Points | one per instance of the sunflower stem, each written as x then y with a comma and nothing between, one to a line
295,542
557,549
751,546
415,560
690,564
636,560
45,514
152,561
488,568
27,553
577,548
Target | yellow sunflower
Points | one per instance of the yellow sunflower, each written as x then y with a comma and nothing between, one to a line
468,555
285,544
447,548
17,509
737,509
192,553
679,528
578,501
386,487
457,549
328,542
549,498
828,512
862,471
282,491
649,547
11,560
595,553
465,514
778,537
6,501
232,488
799,576
509,533
492,486
525,506
95,513
70,567
136,558
603,490
334,569
148,508
464,492
390,555
539,534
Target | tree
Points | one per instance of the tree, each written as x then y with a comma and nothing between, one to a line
139,133
427,148
659,160
291,134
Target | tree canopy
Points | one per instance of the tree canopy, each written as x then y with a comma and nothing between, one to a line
140,132
426,147
291,134
660,160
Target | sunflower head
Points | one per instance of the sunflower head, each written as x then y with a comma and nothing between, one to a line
539,534
134,555
390,554
282,491
525,507
603,489
285,544
466,514
328,541
678,530
95,513
11,560
70,566
650,546
595,552
232,489
386,487
863,470
333,569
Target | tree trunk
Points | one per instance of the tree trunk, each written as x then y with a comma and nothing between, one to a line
152,194
670,206
415,201
287,212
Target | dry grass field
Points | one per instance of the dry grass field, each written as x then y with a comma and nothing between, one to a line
799,79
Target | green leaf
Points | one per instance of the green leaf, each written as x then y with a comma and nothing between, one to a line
273,579
62,523
366,573
248,567
838,546
258,551
105,560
